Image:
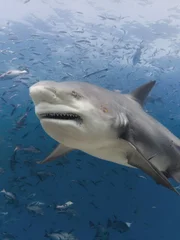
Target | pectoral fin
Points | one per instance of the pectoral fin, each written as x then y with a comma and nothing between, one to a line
59,151
135,158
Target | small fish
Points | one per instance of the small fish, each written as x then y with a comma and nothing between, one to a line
101,231
1,170
69,212
7,236
96,182
13,161
141,176
64,206
83,41
31,195
60,235
13,96
66,209
94,205
27,149
4,213
62,31
118,225
137,55
65,64
34,207
96,72
37,203
42,175
153,99
25,135
21,122
14,108
10,196
3,99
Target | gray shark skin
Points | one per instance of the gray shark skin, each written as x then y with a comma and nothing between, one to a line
108,125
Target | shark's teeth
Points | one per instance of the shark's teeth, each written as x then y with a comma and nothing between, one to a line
61,116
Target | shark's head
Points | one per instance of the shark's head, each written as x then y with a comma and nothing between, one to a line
73,112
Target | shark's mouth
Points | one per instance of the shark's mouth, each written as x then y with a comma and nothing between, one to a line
61,116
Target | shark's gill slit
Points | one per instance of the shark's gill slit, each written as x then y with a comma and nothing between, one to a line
61,116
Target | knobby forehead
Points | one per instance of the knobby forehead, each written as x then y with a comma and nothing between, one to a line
97,95
84,88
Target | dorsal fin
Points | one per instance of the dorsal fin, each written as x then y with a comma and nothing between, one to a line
140,94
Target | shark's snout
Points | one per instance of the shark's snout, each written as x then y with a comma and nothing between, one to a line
40,93
50,105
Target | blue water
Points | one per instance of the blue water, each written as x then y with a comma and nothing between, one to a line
67,40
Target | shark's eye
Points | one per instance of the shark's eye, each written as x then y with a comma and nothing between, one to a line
76,95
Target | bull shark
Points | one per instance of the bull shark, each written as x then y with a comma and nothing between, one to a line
108,125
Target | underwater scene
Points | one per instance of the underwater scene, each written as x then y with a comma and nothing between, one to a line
90,113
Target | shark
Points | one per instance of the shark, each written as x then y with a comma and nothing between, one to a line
109,125
13,74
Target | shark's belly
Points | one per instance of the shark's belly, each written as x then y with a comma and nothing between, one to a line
115,151
108,155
